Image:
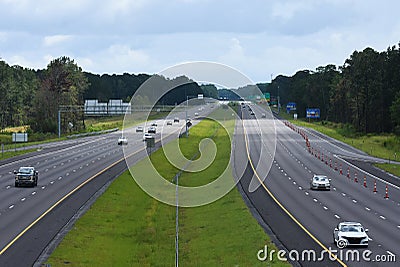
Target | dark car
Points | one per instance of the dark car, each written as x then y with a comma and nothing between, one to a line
152,130
26,176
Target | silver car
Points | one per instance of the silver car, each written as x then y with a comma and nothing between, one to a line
147,136
350,234
122,141
320,182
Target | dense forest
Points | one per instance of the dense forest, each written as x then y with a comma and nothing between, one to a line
364,92
34,97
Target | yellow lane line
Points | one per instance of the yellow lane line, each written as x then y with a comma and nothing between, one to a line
63,198
282,207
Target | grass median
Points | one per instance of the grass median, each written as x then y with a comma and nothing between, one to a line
126,227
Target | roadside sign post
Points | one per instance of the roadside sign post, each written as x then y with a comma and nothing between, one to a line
313,113
19,138
150,143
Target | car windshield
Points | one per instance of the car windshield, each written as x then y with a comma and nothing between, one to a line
351,228
320,179
25,170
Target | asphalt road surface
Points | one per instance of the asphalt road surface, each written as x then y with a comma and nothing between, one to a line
70,173
302,219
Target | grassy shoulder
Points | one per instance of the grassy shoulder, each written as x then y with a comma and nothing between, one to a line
126,227
385,146
10,154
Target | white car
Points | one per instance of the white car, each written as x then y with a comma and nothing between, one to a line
350,234
122,141
146,136
320,182
139,129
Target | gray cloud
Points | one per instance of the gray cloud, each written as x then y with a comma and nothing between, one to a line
256,37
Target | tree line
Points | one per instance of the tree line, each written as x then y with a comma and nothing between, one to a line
35,97
363,93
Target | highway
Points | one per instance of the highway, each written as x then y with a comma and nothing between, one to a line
70,173
303,219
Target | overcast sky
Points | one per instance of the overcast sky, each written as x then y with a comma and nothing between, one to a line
258,38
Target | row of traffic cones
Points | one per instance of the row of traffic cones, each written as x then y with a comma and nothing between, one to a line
324,158
340,169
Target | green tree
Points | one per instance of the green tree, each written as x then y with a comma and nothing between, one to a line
363,72
63,84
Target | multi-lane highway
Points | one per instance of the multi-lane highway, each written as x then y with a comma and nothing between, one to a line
70,173
300,220
303,219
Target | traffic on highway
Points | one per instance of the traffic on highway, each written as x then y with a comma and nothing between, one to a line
351,215
302,188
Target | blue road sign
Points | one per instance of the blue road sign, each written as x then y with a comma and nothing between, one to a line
313,113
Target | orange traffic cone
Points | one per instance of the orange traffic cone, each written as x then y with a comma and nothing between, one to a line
386,192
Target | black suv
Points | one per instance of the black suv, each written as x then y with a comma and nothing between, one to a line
26,176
